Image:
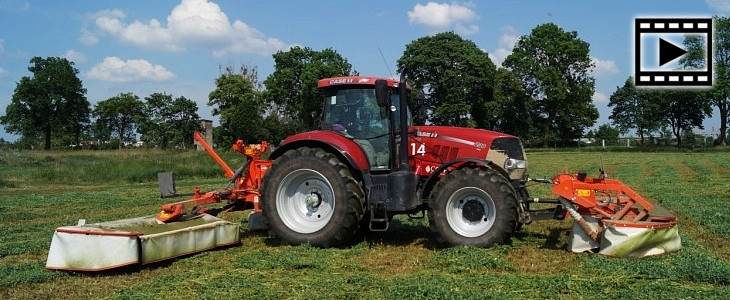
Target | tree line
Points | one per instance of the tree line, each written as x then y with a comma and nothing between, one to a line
651,112
541,93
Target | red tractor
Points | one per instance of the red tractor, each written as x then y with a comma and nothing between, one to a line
368,162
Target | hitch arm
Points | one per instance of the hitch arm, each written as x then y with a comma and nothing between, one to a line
199,138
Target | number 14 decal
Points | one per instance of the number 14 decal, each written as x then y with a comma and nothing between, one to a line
421,149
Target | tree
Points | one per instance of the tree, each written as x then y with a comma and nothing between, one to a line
293,84
633,110
695,58
511,110
169,123
720,94
458,78
607,133
51,102
119,116
240,106
573,117
554,66
682,109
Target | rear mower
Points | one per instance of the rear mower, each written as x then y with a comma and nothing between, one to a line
367,163
181,228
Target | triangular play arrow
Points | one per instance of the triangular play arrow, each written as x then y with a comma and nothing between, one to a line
668,52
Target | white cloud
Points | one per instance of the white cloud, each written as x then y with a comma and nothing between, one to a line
192,23
466,30
599,97
199,21
3,72
443,16
247,39
75,56
604,67
104,20
108,13
505,45
721,6
116,70
88,38
509,37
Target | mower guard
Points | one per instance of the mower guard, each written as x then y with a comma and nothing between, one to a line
613,219
108,245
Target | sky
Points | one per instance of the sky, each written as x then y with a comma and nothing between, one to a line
179,47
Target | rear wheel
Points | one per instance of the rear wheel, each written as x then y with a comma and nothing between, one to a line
475,207
309,196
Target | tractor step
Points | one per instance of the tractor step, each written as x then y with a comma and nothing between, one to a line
138,241
379,217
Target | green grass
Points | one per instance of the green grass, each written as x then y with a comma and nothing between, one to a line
105,167
41,191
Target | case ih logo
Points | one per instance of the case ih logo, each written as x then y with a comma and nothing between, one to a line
427,134
341,81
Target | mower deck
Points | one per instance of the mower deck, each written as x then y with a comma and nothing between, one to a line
615,220
108,245
656,236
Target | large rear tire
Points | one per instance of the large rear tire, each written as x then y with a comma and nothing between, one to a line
473,206
309,196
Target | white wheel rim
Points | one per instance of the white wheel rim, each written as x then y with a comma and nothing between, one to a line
305,201
455,212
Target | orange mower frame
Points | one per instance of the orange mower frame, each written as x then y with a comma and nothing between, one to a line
244,195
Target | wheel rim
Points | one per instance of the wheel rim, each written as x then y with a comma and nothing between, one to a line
305,201
470,212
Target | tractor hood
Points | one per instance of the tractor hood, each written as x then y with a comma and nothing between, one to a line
450,143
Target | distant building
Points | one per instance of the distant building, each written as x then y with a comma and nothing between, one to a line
207,126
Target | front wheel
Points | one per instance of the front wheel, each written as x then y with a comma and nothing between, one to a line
309,196
475,207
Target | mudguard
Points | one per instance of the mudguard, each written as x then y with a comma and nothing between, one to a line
344,147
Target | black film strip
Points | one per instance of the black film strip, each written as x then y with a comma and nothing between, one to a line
685,78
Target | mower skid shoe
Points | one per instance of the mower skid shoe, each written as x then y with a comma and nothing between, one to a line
138,241
256,222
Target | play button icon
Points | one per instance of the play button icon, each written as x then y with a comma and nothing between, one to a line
669,52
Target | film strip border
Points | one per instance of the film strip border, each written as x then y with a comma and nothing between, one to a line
676,77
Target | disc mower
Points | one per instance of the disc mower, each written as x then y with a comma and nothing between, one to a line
366,164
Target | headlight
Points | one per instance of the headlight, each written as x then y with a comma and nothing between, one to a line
511,164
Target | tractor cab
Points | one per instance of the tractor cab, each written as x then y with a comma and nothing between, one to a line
351,108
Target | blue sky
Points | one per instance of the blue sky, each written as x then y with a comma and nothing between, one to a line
178,46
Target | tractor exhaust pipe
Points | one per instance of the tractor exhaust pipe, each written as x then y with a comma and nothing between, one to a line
403,110
403,181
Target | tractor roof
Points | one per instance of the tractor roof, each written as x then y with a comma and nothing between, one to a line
355,80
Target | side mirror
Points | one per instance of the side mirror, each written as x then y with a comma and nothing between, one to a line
381,92
316,117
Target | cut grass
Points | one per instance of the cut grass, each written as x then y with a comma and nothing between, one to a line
403,262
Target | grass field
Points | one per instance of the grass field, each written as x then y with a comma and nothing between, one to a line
40,191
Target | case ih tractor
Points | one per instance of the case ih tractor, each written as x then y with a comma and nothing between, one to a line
365,164
368,163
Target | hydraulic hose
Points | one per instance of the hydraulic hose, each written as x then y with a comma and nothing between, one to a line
578,218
